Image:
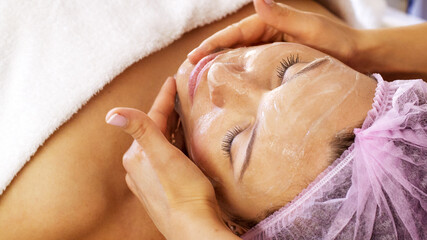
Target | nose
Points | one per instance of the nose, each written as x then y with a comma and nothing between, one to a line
229,86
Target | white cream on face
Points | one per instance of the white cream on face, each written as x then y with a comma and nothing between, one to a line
295,121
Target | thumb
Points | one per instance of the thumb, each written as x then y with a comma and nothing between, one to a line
287,19
137,124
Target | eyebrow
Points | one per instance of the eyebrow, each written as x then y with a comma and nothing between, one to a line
248,152
314,64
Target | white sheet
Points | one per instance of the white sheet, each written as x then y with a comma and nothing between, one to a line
369,14
55,55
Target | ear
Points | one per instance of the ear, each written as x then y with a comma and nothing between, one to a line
235,228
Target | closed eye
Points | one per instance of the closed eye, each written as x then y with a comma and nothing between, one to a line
228,140
285,64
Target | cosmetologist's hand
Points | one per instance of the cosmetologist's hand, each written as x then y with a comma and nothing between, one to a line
278,22
177,196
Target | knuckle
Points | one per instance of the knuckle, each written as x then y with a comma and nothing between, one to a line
235,30
174,155
161,112
234,25
127,161
208,45
283,12
131,157
139,130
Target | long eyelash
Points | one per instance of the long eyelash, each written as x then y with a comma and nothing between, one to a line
228,139
285,64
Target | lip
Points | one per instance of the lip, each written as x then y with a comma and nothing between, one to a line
197,73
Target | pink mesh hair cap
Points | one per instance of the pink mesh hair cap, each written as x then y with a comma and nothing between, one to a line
378,188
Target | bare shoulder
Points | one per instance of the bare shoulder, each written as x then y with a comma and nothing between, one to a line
74,187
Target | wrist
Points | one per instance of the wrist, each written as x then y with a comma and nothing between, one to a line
367,51
379,51
199,223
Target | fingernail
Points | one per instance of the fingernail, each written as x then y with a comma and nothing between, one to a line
117,120
269,2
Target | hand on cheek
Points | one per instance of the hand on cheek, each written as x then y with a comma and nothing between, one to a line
172,189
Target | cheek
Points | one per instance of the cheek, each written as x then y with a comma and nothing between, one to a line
271,184
276,171
205,145
210,159
200,123
198,151
274,165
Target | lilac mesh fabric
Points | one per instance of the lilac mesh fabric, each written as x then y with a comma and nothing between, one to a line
378,188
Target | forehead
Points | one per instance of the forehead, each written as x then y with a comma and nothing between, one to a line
270,53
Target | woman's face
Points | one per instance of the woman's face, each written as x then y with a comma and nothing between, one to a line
259,120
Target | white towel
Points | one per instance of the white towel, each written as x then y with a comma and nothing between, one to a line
55,55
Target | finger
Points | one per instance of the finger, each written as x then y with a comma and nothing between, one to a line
222,39
141,177
132,150
246,31
164,104
131,185
285,18
156,163
139,126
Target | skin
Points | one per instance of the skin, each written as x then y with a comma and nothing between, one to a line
220,91
294,117
176,195
294,121
80,190
372,50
